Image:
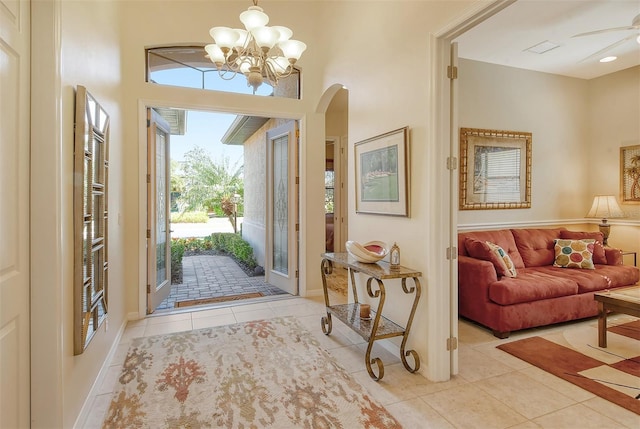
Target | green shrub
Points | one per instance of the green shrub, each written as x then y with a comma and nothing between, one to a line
223,242
189,217
177,252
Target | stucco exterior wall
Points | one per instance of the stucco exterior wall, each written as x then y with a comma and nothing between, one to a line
255,189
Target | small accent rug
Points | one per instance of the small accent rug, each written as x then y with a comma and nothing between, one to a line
613,373
203,301
262,374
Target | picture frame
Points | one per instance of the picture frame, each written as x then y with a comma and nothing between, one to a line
382,174
630,174
495,169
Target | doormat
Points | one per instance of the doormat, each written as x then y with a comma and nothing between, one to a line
203,301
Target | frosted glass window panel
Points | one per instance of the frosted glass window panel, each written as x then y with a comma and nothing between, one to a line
281,205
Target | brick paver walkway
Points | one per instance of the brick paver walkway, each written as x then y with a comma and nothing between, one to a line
207,276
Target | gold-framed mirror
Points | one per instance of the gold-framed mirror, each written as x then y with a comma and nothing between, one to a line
90,218
495,169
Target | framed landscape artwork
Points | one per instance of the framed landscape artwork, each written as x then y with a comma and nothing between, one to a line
382,177
630,174
495,169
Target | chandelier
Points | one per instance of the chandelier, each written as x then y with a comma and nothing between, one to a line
259,52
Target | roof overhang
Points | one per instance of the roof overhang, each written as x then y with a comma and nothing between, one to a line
242,128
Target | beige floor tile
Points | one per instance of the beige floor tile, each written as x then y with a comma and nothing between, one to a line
474,365
467,406
614,412
211,312
416,413
155,320
216,320
251,307
168,327
524,394
351,358
139,322
110,379
297,309
577,417
97,412
567,389
119,355
527,425
470,333
394,387
257,314
131,333
490,349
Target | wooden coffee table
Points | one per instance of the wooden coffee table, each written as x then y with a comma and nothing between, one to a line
624,300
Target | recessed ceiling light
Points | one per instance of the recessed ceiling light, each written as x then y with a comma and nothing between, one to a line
608,59
542,47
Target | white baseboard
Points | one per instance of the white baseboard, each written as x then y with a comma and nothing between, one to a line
88,402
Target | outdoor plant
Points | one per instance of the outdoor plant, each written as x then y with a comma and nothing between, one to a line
177,253
189,217
223,242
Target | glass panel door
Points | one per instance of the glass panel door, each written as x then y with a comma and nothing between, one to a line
158,232
282,210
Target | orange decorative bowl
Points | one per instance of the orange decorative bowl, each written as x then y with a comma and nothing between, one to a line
370,252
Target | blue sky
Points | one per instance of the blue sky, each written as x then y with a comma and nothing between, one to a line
205,129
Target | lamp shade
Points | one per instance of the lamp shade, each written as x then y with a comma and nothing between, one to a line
605,207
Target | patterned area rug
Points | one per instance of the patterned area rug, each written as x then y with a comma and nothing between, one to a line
612,373
263,374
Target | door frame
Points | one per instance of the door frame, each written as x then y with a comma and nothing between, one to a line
179,103
444,116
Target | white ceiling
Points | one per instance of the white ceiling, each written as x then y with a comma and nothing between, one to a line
504,38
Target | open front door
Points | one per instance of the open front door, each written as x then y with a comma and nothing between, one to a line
281,258
158,233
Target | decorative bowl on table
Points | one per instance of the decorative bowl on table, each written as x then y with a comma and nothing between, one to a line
369,253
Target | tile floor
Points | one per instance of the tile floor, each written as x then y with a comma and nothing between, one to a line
492,390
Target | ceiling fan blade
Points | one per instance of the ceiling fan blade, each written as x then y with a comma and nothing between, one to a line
607,30
613,45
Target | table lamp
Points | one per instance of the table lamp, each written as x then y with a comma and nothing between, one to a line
605,207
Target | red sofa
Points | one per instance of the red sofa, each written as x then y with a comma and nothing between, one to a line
540,293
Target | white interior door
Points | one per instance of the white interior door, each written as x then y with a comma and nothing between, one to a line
281,258
14,214
158,206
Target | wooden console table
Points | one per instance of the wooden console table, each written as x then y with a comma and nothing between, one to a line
378,327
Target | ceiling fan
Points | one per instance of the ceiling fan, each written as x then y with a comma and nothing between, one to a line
635,25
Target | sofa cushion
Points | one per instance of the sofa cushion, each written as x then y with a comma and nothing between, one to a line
574,253
531,285
599,256
603,277
487,251
502,238
536,246
506,264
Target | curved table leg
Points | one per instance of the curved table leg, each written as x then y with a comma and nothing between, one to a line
326,268
413,353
